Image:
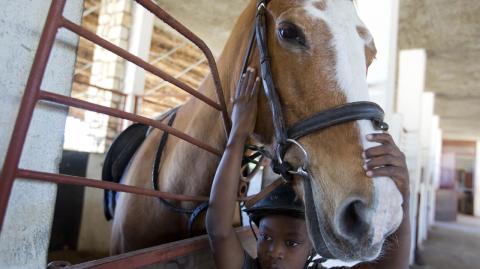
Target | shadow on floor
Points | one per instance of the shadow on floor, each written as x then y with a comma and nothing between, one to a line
453,245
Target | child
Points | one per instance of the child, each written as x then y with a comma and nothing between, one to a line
283,240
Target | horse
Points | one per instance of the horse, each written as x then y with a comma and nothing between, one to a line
320,52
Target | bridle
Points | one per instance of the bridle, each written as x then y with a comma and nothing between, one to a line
286,137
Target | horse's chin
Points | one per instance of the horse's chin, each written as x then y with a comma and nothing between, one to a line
324,241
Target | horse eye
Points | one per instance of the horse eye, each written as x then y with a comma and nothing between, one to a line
291,33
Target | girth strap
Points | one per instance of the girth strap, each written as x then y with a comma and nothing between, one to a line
156,166
338,115
194,213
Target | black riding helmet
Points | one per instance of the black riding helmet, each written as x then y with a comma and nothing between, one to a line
281,201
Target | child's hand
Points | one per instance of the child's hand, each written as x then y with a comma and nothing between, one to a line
387,160
244,111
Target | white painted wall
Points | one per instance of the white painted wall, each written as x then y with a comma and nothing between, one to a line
476,194
26,232
381,18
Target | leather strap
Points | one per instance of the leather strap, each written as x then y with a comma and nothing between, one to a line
247,56
156,166
311,215
198,210
338,115
268,84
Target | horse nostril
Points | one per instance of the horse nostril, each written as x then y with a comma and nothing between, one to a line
352,221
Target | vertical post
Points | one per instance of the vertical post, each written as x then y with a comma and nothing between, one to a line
436,167
411,83
427,140
476,194
29,100
140,41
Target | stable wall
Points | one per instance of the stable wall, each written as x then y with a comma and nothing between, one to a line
26,232
95,230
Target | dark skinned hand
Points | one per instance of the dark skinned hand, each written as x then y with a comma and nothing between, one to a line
245,104
387,160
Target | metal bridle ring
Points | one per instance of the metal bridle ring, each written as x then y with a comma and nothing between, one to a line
306,158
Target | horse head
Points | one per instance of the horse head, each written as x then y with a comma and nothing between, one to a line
320,52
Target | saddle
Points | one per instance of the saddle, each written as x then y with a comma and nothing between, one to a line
118,158
121,153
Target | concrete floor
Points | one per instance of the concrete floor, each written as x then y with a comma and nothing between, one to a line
453,245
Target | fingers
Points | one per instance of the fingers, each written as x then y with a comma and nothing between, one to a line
382,138
385,160
385,149
251,81
246,84
387,171
255,88
240,86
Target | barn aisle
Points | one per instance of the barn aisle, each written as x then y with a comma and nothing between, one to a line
453,245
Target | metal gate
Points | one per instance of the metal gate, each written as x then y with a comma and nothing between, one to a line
34,94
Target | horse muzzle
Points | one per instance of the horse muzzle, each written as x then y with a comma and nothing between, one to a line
357,229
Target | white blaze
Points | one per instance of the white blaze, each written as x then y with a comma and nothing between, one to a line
342,20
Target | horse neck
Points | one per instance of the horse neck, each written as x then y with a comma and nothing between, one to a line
229,65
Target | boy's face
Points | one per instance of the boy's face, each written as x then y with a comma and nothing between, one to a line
283,243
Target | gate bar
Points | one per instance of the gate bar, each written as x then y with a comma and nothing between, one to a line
99,184
165,17
136,60
158,254
69,101
27,105
100,88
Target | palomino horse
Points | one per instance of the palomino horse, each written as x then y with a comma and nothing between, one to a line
320,52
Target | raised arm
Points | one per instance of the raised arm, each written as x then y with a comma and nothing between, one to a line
388,160
226,247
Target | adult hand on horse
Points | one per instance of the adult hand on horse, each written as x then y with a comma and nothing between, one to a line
387,160
245,104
